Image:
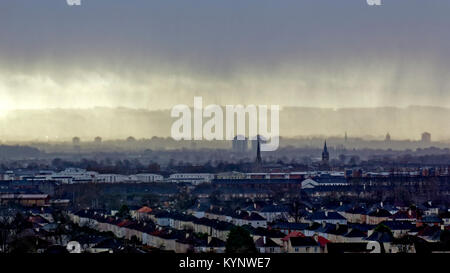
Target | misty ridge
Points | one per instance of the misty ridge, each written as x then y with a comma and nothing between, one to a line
119,123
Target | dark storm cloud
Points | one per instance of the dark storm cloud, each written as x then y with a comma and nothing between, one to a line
330,53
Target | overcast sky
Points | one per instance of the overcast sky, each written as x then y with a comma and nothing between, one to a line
154,54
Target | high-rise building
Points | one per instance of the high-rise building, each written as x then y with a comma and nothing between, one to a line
240,144
76,141
426,137
387,138
97,140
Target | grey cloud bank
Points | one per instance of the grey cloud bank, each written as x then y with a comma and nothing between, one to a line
155,54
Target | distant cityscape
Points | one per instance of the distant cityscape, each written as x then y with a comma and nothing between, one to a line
330,200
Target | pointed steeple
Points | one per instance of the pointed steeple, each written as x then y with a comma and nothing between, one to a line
325,154
258,152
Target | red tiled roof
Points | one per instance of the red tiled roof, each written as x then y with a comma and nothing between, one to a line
124,223
401,214
293,234
322,241
144,209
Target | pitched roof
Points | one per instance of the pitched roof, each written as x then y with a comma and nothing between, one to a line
255,217
402,214
274,208
269,243
144,209
399,225
384,237
356,210
356,233
379,213
322,241
302,241
330,215
293,234
290,226
431,219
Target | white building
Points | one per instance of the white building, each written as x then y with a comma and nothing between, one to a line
74,175
149,177
112,178
7,176
194,178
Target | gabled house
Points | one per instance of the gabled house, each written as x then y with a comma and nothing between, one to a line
142,213
288,227
356,214
430,220
430,209
274,212
332,232
399,228
377,216
211,245
162,218
303,245
241,218
267,245
354,235
330,217
404,215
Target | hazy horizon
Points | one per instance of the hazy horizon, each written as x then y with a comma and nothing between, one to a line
150,55
120,122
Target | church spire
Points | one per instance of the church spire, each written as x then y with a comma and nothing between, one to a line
325,154
258,152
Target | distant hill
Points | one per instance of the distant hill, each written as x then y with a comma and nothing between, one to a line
63,124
